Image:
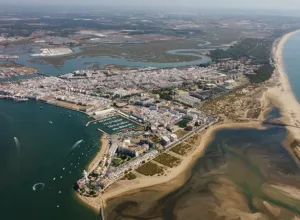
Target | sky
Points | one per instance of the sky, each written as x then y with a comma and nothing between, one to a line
245,4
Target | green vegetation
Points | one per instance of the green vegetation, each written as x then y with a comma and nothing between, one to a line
204,64
167,160
164,94
120,159
257,49
262,74
129,176
183,123
124,157
117,162
156,51
150,169
182,149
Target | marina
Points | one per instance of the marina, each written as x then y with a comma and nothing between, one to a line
131,123
115,124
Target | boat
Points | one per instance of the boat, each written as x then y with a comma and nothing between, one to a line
41,107
50,122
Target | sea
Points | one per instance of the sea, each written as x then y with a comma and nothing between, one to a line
291,57
44,150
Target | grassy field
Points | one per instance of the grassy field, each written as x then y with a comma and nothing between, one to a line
168,160
150,169
120,159
183,123
182,149
129,176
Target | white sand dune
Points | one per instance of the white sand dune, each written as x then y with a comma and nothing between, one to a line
281,94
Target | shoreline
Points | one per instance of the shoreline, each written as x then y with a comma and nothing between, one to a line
278,95
104,144
129,186
281,94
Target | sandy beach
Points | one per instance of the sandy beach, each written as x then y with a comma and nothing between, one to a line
279,95
123,187
104,145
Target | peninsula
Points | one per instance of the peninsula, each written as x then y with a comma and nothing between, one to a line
173,161
157,122
149,114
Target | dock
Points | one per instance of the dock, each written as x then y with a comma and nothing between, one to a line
102,131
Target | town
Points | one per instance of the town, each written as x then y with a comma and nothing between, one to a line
149,110
6,73
137,138
142,112
91,90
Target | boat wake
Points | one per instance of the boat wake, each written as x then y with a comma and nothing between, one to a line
18,146
38,186
74,147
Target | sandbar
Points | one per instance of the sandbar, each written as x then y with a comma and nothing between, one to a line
279,95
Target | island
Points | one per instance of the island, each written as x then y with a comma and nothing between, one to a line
49,52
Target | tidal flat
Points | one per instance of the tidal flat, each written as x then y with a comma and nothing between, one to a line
245,173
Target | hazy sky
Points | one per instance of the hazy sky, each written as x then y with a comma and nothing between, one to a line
250,4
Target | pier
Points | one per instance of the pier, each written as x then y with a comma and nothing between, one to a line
102,131
102,216
117,112
102,210
113,124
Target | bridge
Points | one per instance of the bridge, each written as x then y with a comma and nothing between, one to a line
272,123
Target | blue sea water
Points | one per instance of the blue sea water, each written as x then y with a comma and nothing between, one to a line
291,59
